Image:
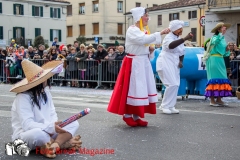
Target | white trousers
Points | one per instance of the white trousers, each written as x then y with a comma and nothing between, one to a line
37,137
171,82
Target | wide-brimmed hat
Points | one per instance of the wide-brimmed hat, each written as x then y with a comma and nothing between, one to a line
36,75
228,25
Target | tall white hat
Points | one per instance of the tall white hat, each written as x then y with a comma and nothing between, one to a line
137,13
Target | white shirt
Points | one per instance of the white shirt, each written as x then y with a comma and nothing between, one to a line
25,116
178,51
136,41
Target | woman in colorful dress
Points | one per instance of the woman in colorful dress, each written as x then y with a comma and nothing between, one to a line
135,91
218,85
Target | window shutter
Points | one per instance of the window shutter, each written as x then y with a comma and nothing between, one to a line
1,32
23,32
22,9
0,7
36,32
51,12
41,11
51,35
194,32
170,15
189,14
14,32
14,9
60,35
33,10
59,13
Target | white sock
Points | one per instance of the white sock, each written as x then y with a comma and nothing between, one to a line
127,115
135,117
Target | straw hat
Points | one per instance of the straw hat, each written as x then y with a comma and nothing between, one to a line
219,25
36,75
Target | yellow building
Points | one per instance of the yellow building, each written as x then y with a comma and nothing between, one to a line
101,18
224,11
188,11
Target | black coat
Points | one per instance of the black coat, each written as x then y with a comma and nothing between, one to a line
120,56
101,55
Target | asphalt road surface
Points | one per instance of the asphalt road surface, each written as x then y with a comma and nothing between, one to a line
199,132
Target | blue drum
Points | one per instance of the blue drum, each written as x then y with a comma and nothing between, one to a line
193,76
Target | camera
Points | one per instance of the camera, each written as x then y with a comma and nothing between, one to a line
17,147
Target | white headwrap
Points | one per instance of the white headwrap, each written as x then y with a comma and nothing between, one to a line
137,13
175,25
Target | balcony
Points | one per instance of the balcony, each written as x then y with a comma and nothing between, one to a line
224,5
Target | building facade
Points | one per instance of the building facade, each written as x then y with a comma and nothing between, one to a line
188,11
224,11
31,18
104,19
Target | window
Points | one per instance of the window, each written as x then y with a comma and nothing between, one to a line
37,11
194,32
120,28
55,12
159,20
82,29
81,8
138,4
69,31
18,32
192,14
1,32
95,6
0,7
37,32
155,5
55,33
18,9
69,10
120,6
95,28
173,16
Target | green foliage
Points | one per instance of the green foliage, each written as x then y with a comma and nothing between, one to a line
38,40
46,46
81,40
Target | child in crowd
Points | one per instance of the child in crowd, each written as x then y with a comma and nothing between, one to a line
233,76
72,66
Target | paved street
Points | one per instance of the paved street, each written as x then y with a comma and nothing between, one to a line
199,132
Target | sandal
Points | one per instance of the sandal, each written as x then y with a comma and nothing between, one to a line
74,143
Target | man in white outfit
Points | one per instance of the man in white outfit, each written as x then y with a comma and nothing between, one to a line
169,63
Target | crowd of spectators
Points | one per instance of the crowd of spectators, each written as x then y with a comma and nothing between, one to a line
80,62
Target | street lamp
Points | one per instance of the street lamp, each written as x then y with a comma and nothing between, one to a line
8,35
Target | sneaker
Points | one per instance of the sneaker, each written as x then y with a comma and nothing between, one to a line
174,111
166,111
19,76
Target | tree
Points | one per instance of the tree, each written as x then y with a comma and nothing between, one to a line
38,40
81,39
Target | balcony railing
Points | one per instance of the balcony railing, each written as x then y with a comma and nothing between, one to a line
223,3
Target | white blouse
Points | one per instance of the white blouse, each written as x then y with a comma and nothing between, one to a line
25,116
137,42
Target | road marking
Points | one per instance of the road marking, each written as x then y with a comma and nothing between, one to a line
226,114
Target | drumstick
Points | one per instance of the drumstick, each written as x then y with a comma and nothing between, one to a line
74,117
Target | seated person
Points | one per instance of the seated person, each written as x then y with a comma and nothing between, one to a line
34,119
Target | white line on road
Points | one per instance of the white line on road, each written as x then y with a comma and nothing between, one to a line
226,114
